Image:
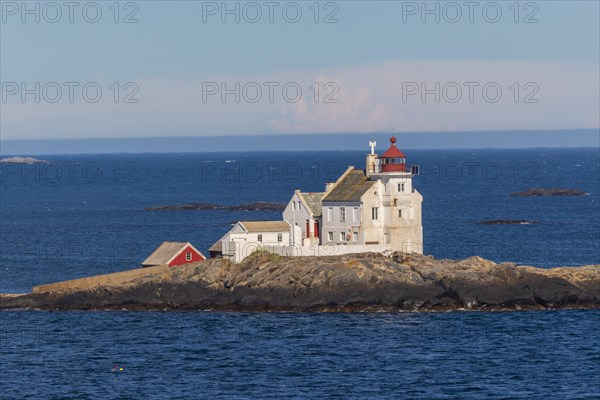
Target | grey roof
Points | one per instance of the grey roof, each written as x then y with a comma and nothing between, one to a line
218,246
313,200
265,226
164,253
350,188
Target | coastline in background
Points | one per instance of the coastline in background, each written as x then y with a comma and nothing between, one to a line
564,138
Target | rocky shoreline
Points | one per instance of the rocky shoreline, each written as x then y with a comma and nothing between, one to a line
359,282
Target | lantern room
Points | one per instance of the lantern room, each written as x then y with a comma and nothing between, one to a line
393,160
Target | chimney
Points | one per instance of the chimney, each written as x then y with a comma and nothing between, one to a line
372,164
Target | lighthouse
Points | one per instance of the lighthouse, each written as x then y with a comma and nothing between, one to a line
400,201
392,161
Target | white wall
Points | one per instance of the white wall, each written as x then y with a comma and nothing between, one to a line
267,237
397,230
332,222
390,183
373,228
243,250
296,217
250,240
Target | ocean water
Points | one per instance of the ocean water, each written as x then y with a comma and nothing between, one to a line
201,355
82,215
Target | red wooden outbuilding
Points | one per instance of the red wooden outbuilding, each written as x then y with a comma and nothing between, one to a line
173,254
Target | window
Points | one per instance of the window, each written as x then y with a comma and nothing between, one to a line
401,187
188,256
384,188
394,160
329,213
330,236
399,213
375,213
355,236
355,214
294,205
342,236
280,237
260,237
343,214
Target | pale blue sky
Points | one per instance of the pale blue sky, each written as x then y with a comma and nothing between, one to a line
171,51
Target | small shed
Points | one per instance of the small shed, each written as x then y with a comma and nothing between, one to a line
216,250
172,254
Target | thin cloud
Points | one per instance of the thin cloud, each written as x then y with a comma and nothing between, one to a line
370,98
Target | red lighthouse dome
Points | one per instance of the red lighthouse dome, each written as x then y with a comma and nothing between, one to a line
393,160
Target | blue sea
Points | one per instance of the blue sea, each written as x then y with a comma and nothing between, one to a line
83,215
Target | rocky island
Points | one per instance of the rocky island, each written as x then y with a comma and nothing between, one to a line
354,282
549,192
258,206
507,222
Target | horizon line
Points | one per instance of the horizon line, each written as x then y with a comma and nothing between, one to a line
297,151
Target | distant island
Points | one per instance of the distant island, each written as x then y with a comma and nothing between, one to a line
507,222
550,192
258,206
23,160
352,282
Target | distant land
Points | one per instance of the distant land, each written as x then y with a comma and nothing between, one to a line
306,142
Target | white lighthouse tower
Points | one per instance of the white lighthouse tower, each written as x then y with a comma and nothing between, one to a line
401,204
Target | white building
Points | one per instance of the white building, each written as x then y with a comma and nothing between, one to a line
371,210
303,212
248,236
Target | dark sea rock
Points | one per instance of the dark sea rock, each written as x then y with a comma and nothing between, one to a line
258,206
507,222
359,282
186,207
550,192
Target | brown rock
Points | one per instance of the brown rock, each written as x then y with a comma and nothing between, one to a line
339,283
